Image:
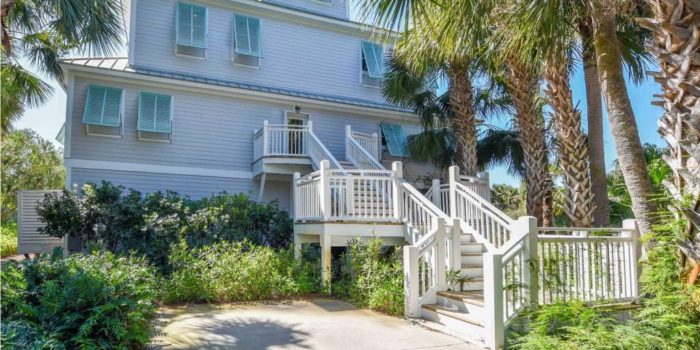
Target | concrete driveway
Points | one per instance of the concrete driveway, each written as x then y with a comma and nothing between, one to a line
318,323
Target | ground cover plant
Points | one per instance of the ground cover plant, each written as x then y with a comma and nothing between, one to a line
371,276
94,300
8,239
126,221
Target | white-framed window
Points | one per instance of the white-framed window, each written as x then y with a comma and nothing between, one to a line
247,40
372,63
191,30
395,139
155,117
103,111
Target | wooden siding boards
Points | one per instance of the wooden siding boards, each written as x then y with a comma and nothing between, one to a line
333,8
295,56
208,131
28,238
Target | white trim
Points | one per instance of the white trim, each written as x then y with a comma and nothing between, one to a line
69,115
152,168
132,32
197,87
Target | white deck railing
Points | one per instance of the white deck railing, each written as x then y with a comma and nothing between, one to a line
589,264
368,142
281,140
362,149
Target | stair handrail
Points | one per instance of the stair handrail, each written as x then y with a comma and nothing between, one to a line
354,149
322,151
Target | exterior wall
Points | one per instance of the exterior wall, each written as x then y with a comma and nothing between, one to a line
333,8
297,55
212,141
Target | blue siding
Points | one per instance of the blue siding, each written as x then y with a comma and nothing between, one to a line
296,55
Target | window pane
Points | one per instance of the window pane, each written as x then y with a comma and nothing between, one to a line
241,34
184,24
254,32
111,114
147,107
199,26
373,59
93,105
163,114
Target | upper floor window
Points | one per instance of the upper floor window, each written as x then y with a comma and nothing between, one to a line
372,63
103,110
395,139
191,30
155,116
246,40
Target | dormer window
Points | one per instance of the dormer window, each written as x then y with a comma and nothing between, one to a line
191,30
246,40
372,63
103,111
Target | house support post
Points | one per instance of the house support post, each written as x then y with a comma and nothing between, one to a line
632,231
326,260
493,300
410,281
262,187
397,168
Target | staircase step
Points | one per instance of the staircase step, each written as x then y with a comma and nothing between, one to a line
473,258
462,316
475,271
466,302
457,324
476,284
472,247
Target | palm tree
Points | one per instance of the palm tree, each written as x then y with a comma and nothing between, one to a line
40,32
675,46
620,114
541,30
423,44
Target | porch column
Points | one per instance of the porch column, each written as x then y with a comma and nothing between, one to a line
326,260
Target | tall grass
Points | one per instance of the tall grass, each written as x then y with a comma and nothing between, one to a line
8,239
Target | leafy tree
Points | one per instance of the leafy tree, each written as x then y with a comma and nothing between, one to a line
40,32
29,162
509,199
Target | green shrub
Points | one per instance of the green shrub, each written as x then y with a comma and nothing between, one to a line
8,239
236,271
371,277
128,222
97,300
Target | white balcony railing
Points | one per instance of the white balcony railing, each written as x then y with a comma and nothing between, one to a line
281,140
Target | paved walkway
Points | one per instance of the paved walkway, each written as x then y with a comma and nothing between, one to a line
318,323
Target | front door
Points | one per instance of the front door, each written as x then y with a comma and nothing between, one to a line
296,124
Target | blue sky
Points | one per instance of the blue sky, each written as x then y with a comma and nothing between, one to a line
47,119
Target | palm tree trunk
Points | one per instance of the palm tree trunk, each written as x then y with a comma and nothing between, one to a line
596,146
572,148
677,42
620,114
523,86
464,123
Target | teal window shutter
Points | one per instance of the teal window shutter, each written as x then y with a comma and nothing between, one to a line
191,25
155,112
373,59
395,139
246,35
103,106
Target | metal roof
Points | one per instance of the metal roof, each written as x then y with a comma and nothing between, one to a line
121,64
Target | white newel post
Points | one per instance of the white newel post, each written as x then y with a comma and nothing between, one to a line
310,130
348,136
456,252
397,168
484,176
454,177
528,225
632,232
440,255
295,210
376,154
493,300
410,281
266,146
325,189
436,193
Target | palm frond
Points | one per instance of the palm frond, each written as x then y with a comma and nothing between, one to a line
501,147
20,88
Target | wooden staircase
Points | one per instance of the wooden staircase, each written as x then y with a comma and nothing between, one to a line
462,313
